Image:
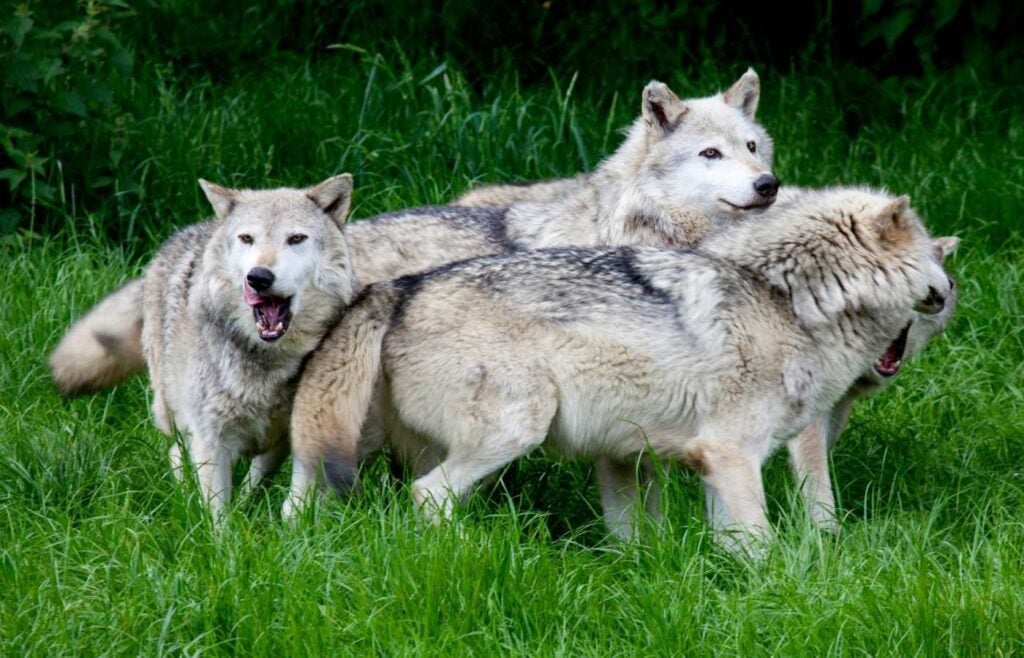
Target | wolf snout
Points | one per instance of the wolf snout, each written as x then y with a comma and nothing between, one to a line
932,304
260,279
766,185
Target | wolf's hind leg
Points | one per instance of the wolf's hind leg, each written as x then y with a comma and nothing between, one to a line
302,491
621,483
511,428
436,493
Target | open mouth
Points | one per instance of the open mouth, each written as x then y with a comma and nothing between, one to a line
752,206
890,362
272,314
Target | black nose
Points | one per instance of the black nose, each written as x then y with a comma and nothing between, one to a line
260,278
766,185
932,304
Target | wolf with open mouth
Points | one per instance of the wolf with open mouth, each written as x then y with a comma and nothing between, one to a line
231,309
808,453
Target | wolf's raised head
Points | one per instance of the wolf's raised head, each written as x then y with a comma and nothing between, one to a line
708,155
278,261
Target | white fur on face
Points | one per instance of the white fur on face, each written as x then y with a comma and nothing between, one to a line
715,186
286,238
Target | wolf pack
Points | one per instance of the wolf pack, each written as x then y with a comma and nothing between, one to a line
677,305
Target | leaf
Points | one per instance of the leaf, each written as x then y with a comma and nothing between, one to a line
70,102
13,177
17,27
893,28
21,74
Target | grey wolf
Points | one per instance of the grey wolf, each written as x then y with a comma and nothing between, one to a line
808,452
711,357
685,168
743,95
231,307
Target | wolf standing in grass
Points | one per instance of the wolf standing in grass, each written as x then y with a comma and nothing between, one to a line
711,357
231,308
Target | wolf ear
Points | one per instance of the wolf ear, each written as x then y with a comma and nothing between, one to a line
944,246
891,220
744,93
662,109
334,196
221,198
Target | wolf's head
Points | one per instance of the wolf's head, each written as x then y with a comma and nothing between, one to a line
278,261
843,252
708,155
922,326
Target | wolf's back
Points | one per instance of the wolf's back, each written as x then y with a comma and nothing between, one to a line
544,191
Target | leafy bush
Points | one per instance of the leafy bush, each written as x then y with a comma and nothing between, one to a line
60,116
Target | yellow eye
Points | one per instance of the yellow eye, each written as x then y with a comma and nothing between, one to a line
245,238
710,154
298,238
752,147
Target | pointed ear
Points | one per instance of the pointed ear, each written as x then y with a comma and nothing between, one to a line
334,196
891,220
662,109
744,93
221,198
944,246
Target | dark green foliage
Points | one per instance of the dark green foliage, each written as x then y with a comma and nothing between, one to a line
62,107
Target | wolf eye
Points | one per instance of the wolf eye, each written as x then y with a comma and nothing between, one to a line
298,238
710,154
752,147
245,238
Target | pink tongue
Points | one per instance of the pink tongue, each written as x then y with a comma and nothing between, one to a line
252,298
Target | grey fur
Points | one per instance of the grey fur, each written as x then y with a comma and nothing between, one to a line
689,345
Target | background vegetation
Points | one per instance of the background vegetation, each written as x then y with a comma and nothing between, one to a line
110,111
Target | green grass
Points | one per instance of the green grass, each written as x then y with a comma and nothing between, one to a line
102,553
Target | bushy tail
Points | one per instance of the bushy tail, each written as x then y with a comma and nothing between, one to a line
337,389
104,346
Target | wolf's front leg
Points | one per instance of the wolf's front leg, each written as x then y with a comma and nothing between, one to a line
212,462
621,483
733,493
808,458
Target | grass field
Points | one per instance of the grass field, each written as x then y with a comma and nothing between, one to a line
102,554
